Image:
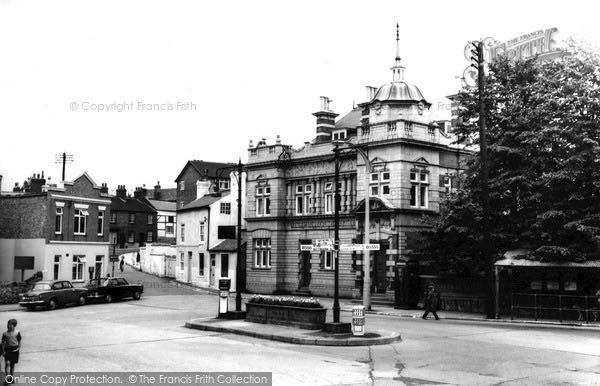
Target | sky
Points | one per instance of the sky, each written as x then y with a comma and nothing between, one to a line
134,89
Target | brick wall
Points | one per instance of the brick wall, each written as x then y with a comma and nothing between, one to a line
23,217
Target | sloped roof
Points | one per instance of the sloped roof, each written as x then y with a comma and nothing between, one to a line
516,258
130,204
204,201
206,168
165,206
227,245
169,194
350,120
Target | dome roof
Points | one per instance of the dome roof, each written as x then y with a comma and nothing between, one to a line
399,91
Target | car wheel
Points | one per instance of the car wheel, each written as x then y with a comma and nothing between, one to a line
107,298
82,300
52,304
137,295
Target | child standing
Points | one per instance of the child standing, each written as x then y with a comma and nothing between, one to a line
11,341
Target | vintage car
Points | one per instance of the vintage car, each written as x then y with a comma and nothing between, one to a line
110,288
53,294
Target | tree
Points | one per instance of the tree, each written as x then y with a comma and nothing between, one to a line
543,120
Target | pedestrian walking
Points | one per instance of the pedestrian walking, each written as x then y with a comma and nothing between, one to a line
122,264
431,302
11,343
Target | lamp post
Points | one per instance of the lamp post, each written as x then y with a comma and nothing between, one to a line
238,266
336,237
367,253
238,260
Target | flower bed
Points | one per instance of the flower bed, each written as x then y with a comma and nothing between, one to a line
286,310
9,295
292,301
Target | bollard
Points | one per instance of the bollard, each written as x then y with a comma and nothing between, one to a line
358,320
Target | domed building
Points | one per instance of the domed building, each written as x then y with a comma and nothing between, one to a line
413,163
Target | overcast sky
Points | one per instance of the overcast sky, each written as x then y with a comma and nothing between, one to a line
247,69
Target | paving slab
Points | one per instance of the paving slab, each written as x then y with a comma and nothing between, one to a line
291,334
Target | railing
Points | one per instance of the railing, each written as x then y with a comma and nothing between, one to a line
561,307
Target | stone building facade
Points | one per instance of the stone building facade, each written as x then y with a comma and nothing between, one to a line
414,162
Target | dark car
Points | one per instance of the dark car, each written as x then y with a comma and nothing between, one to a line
53,294
110,288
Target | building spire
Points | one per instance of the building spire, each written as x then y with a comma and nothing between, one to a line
397,42
398,69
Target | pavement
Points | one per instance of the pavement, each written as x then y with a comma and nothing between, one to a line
293,335
149,335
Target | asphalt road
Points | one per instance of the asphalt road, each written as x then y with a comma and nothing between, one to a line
148,335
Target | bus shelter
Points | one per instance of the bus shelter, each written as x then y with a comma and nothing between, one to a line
560,291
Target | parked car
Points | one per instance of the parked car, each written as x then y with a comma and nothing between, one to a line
53,294
110,288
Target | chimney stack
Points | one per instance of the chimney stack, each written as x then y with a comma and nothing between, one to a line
325,120
157,192
37,183
121,191
371,91
104,188
140,192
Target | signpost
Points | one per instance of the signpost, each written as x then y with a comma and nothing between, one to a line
359,247
343,247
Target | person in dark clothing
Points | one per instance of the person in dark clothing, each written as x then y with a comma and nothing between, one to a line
122,264
11,343
431,302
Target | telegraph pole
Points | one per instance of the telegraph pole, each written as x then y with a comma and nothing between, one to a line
478,57
63,159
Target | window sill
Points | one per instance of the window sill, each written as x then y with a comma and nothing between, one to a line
261,268
326,270
79,234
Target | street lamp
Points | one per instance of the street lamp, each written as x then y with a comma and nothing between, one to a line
238,314
366,253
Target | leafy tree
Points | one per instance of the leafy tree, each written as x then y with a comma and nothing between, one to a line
543,134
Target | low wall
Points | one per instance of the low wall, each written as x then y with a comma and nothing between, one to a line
308,318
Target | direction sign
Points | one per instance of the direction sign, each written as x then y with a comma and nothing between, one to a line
306,247
359,247
324,244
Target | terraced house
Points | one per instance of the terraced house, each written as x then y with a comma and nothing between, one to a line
60,230
291,193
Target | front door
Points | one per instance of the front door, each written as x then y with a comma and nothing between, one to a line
304,270
189,271
213,261
380,282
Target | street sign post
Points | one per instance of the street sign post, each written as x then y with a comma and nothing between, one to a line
359,247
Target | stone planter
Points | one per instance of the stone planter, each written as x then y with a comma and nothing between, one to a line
301,317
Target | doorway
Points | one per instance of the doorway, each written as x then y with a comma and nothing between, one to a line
304,270
211,276
380,281
189,271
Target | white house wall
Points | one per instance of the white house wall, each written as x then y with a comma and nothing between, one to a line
9,248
